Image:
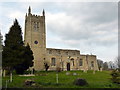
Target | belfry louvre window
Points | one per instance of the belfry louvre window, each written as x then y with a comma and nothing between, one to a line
53,62
80,62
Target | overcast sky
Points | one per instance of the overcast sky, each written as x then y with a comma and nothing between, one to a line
91,27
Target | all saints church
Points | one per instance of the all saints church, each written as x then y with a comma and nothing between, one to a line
66,59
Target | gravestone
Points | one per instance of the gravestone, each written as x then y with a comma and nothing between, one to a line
74,74
67,73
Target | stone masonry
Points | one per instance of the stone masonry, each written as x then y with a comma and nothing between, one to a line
66,59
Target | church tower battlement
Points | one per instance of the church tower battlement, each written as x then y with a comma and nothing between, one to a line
35,36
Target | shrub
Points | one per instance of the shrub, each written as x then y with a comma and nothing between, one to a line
29,82
46,66
115,76
80,82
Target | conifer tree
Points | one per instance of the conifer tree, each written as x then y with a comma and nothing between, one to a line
28,62
13,51
16,56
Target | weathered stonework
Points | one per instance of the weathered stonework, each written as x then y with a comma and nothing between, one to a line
35,36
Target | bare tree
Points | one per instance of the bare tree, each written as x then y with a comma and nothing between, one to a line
112,65
100,63
105,66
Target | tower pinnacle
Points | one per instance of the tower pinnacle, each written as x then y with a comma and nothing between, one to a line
29,10
43,12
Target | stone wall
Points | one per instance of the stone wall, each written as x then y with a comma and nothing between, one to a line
63,57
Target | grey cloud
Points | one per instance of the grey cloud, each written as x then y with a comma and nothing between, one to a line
94,21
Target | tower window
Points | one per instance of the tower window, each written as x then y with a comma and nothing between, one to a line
80,62
35,26
53,62
36,42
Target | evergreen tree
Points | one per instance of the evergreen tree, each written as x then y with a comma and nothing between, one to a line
15,54
13,51
28,62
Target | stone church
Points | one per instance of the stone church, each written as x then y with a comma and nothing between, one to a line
66,59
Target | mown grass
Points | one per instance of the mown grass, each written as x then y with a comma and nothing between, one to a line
48,80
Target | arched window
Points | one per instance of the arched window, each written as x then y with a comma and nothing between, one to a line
80,62
53,61
36,26
92,64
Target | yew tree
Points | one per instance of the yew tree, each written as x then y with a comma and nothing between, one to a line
14,51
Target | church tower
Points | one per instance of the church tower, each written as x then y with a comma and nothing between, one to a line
35,36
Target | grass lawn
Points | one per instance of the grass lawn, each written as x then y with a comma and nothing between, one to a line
48,80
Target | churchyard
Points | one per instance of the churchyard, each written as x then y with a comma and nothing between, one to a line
64,79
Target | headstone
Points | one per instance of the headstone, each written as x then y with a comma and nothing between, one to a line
4,73
11,77
57,77
6,83
1,72
67,73
74,74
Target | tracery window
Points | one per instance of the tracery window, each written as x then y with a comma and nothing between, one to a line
36,26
